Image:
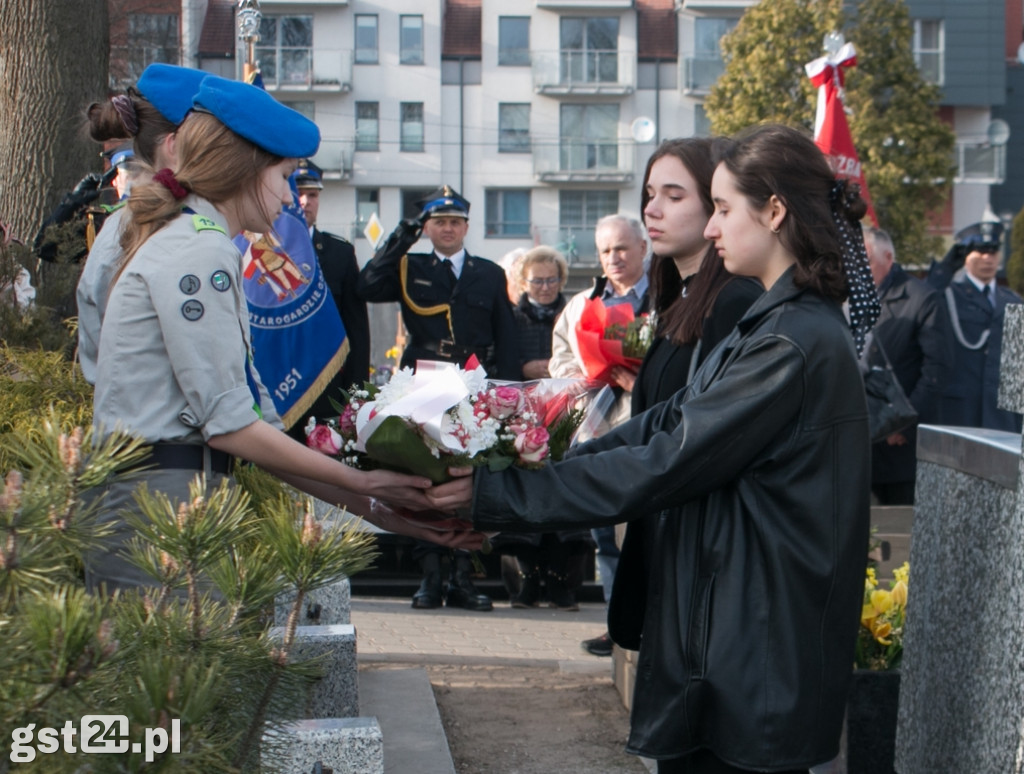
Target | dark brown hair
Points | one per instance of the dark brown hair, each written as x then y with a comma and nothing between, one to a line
781,161
679,321
105,123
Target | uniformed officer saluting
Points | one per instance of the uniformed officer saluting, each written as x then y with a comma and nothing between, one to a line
453,304
175,360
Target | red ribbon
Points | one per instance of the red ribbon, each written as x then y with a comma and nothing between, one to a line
166,178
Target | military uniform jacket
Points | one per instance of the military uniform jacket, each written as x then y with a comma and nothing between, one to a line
481,314
970,397
93,287
913,328
175,354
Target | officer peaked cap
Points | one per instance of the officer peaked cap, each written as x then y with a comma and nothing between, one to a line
252,113
170,89
988,233
308,175
444,201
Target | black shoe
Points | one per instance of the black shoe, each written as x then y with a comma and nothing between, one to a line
563,600
462,593
599,646
529,593
429,594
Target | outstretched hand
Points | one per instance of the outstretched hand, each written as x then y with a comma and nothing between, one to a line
448,531
455,494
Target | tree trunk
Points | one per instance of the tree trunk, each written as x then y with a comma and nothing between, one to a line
53,64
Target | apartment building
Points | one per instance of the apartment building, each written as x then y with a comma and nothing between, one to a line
543,112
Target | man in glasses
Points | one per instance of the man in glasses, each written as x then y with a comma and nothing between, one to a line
976,306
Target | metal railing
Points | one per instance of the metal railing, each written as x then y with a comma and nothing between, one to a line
572,159
700,73
302,68
575,71
980,162
335,158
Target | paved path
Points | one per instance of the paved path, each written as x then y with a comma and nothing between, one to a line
388,629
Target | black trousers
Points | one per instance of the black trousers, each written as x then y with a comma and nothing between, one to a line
705,762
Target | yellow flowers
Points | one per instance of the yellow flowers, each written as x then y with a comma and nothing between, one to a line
880,638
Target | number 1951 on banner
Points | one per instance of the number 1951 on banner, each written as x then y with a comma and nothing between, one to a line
96,734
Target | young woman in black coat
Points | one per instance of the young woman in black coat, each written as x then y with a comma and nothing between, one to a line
760,470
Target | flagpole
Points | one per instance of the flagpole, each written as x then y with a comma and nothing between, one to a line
249,17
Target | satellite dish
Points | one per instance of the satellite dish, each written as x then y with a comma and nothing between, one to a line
998,132
642,129
1020,53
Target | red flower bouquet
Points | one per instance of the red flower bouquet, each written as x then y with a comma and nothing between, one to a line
609,336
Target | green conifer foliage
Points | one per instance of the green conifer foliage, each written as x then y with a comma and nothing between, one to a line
1015,261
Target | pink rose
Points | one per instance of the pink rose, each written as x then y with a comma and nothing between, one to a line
504,401
347,421
532,445
324,439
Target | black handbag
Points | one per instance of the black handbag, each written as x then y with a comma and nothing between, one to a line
889,409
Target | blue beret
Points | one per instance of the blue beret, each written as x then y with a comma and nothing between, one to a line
988,233
170,89
121,155
252,113
444,201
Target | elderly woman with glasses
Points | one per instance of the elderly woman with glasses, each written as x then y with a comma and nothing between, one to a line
542,274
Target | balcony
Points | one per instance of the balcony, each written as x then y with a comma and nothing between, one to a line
700,74
585,161
335,158
573,72
304,69
584,5
980,161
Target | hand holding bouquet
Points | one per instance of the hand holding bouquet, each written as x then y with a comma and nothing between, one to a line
609,336
442,416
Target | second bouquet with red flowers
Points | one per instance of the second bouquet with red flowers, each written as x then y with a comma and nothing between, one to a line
443,416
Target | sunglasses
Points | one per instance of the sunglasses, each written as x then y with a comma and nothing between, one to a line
542,281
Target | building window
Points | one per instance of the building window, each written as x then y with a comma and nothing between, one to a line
589,137
929,49
589,50
706,65
514,40
514,127
367,126
367,204
412,126
578,213
366,38
285,50
507,213
154,38
411,40
410,197
701,122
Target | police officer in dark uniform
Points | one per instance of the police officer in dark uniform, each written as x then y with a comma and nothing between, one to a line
976,304
338,263
454,305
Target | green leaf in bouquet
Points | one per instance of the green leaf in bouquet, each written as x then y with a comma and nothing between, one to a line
498,462
397,446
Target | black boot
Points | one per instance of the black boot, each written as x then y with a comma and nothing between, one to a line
429,595
529,587
462,592
560,594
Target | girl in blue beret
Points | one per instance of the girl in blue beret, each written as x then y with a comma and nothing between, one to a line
175,358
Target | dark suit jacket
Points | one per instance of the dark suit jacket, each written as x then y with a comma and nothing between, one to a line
338,262
481,314
913,328
971,392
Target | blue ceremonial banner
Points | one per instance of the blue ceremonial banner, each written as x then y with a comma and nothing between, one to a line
299,341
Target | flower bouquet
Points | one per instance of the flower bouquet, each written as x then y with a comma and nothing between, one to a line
443,416
609,336
880,637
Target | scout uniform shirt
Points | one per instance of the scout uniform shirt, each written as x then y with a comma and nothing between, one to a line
175,357
93,288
